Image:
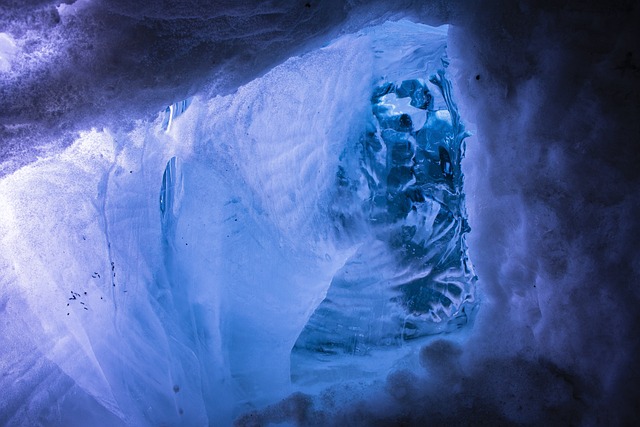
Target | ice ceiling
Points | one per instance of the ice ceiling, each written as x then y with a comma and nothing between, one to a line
288,241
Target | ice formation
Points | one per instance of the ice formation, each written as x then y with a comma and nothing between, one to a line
410,277
199,266
192,250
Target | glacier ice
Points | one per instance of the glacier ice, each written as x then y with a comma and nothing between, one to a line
410,276
173,111
173,267
551,184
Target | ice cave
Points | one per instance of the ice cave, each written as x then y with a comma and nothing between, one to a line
298,213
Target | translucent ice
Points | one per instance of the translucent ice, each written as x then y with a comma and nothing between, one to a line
173,111
166,272
410,277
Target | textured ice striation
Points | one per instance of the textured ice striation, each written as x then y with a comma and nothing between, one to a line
173,111
411,277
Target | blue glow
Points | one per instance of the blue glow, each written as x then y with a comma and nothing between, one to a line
411,277
319,207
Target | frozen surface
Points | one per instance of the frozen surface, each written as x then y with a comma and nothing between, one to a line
171,264
549,90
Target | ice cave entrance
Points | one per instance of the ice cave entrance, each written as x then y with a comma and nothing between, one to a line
410,277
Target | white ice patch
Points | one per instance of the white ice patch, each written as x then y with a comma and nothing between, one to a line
398,106
8,50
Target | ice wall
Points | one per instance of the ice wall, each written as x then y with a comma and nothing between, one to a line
400,196
165,272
